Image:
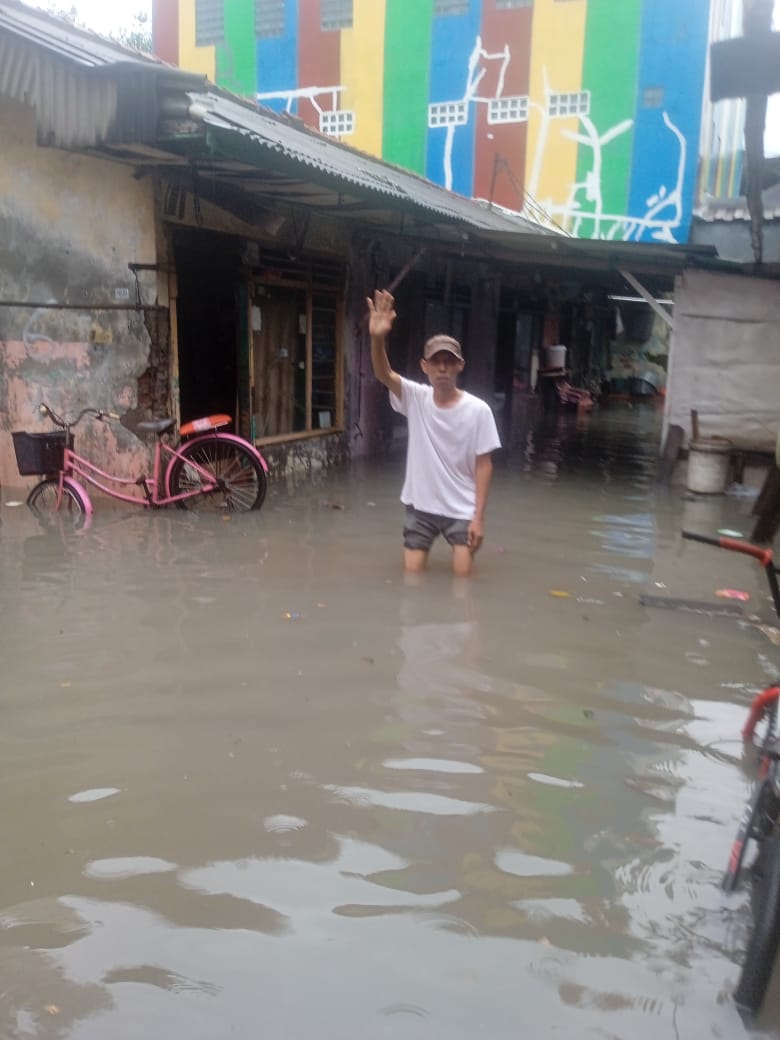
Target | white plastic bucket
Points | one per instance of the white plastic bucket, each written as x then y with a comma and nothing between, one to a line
708,465
555,357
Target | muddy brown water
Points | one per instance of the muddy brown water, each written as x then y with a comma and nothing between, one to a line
255,784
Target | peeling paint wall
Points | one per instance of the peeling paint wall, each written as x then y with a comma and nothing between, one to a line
69,226
724,359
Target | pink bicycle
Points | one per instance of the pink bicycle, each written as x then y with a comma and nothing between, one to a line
207,469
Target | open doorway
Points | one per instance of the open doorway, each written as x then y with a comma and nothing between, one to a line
517,338
209,320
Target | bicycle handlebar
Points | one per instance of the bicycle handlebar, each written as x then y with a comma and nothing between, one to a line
764,556
64,424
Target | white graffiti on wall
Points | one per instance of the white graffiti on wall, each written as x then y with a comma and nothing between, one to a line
592,184
664,208
582,212
475,75
583,209
663,216
311,94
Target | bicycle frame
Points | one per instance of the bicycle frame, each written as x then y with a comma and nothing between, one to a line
760,822
75,464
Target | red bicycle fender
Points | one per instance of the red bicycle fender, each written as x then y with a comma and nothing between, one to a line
205,425
757,709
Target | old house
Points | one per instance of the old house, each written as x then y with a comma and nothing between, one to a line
167,248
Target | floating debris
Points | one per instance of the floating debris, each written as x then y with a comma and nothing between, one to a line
554,781
743,597
94,794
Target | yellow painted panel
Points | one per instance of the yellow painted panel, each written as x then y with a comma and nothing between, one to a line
192,58
556,68
362,73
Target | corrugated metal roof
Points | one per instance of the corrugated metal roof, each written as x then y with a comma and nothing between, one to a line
82,46
61,71
234,124
736,209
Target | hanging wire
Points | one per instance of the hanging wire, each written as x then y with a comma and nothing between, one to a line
527,200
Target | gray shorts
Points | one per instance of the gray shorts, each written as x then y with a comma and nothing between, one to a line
422,529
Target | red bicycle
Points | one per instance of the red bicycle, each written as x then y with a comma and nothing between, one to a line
759,828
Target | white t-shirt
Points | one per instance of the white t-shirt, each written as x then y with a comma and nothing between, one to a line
442,449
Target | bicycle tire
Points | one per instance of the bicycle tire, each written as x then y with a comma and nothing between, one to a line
761,798
762,947
42,501
242,482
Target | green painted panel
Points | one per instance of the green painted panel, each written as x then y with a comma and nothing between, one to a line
408,29
610,71
236,57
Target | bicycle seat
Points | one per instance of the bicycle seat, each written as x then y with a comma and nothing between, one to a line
156,425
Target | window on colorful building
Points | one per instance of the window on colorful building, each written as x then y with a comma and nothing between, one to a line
653,97
269,18
508,110
507,5
209,22
450,6
569,104
337,124
335,14
447,113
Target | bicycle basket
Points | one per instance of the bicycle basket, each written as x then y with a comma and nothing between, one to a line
40,453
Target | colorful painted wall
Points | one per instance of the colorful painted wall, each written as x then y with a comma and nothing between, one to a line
584,113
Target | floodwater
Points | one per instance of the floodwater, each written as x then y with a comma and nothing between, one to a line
255,784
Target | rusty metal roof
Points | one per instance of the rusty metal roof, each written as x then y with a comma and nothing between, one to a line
256,135
86,90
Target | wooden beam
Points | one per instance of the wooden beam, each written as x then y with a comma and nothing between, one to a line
647,297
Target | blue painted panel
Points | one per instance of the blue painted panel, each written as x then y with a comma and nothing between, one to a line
672,56
277,60
454,38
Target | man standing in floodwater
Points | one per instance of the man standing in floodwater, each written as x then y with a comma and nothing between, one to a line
448,457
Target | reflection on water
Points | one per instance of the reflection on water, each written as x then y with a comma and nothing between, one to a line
258,784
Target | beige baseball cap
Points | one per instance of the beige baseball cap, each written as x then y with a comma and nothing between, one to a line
437,343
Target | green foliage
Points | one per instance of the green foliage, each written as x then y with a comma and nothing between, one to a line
139,36
69,14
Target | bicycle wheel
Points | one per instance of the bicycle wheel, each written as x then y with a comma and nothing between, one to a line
241,480
762,947
42,500
757,822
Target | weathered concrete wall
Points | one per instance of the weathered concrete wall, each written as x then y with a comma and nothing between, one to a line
724,359
69,226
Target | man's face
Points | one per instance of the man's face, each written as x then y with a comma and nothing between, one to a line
443,369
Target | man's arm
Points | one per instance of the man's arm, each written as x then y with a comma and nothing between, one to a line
483,474
381,315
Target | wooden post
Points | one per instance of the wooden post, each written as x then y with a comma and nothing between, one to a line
694,424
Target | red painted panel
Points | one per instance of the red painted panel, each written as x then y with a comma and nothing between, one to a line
499,163
165,30
319,60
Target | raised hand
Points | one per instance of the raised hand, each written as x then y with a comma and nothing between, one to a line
381,313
